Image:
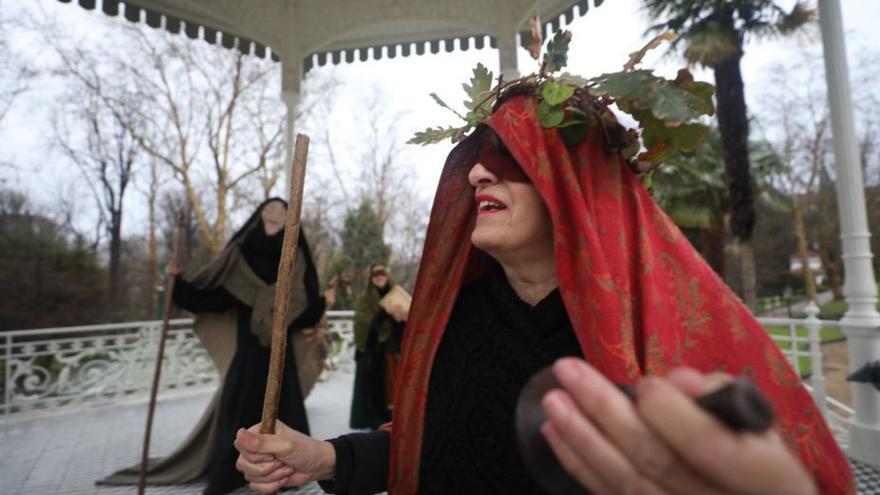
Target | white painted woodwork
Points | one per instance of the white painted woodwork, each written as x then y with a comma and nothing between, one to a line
861,323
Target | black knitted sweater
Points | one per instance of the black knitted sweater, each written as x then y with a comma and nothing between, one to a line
494,342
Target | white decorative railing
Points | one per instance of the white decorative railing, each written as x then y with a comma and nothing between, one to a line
61,368
53,369
837,414
340,325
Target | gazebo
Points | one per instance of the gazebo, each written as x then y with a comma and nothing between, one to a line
303,33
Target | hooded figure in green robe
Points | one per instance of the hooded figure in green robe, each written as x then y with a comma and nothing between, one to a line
377,338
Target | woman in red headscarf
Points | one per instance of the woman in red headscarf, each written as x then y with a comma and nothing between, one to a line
536,251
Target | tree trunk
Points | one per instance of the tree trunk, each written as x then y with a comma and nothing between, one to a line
153,258
712,247
733,126
208,234
747,268
115,284
220,226
801,236
832,272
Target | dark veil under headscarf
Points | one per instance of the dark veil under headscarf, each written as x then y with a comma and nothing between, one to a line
262,254
311,277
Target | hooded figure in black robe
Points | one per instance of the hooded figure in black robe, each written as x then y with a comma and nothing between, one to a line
232,299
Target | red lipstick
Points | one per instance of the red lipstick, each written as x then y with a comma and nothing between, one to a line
488,204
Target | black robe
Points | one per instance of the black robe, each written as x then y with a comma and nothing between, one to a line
494,342
369,401
244,386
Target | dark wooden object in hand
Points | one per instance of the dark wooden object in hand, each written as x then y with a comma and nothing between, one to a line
540,461
739,405
869,373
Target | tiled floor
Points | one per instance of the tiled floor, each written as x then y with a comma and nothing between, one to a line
868,478
65,454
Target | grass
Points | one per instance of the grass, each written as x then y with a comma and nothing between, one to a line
836,309
825,334
806,365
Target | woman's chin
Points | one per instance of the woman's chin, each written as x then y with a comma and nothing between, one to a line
485,242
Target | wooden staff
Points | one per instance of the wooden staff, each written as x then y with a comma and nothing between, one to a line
282,287
169,289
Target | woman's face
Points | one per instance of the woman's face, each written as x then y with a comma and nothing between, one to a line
274,214
379,280
512,222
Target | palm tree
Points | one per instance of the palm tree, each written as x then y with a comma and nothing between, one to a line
713,34
691,190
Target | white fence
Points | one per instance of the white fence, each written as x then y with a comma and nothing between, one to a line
837,414
61,368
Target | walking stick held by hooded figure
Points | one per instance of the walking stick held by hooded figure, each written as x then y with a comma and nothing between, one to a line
169,289
282,287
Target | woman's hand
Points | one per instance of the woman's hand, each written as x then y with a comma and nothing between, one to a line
286,458
330,296
173,267
398,312
663,444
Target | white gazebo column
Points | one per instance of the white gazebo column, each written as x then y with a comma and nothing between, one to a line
291,82
861,323
290,95
506,40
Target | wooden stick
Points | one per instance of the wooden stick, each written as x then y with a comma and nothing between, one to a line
282,287
169,289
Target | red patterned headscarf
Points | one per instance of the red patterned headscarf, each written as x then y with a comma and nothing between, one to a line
639,297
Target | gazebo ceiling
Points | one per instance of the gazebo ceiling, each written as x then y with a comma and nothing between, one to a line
343,30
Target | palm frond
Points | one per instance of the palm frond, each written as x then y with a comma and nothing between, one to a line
709,45
799,16
742,18
695,217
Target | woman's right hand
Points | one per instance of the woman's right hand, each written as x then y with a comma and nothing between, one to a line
173,268
664,443
286,458
330,296
398,312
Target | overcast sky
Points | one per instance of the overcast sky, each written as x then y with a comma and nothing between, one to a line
602,39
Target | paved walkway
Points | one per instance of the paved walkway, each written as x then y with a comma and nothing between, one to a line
835,368
797,308
65,454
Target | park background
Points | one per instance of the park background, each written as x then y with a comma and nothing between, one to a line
109,130
87,206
